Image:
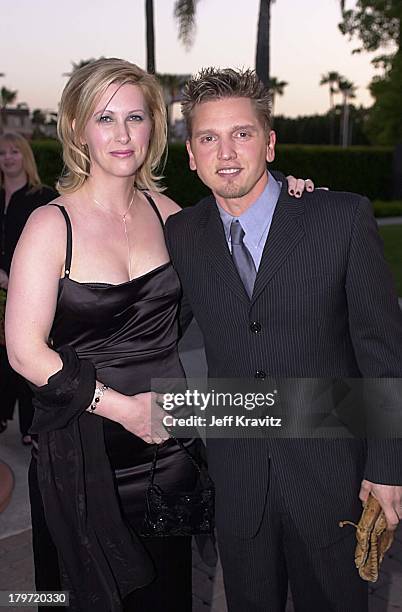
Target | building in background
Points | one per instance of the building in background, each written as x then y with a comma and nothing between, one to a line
16,120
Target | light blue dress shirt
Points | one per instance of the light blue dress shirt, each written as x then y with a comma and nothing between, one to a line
255,221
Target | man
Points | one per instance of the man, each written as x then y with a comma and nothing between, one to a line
291,289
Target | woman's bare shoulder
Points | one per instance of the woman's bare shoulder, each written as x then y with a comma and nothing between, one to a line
46,222
165,205
43,240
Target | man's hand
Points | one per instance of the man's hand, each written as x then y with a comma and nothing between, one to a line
3,280
389,498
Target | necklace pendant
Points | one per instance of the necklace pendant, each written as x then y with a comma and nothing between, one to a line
123,217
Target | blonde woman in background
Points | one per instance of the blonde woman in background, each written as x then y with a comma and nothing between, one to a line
21,192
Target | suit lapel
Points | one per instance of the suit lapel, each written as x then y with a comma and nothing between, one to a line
285,232
213,241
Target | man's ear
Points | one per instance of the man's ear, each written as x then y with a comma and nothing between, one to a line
191,160
270,156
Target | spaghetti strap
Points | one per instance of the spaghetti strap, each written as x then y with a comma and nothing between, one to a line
67,264
154,206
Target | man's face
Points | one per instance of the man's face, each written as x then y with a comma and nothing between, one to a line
229,149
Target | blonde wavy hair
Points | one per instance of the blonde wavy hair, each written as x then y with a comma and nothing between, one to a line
28,159
85,86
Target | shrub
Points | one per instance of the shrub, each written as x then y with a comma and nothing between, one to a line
387,209
48,157
366,170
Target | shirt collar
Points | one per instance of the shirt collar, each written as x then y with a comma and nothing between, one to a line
257,217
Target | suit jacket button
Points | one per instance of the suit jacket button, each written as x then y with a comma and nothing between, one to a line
260,374
255,327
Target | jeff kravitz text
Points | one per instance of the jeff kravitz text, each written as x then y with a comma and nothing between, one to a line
229,420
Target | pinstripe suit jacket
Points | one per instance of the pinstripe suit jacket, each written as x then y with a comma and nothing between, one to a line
327,307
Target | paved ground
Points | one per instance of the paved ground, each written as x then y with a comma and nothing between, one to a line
16,566
390,221
16,573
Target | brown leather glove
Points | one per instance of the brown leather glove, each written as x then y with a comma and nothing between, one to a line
373,539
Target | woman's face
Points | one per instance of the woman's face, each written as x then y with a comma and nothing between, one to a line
118,132
11,160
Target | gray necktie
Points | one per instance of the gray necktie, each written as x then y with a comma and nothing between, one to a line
242,258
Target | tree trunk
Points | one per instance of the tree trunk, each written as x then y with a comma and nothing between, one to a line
331,117
149,16
262,58
332,127
345,123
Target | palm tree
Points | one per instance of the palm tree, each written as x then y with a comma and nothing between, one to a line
276,87
6,97
184,13
347,89
149,18
332,79
262,55
38,117
80,64
38,120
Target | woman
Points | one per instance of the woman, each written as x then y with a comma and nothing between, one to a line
92,290
21,192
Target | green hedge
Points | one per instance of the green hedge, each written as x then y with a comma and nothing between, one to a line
392,237
388,209
49,160
365,170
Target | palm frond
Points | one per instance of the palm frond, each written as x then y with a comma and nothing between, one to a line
185,13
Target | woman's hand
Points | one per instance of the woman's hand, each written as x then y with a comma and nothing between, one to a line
297,186
3,279
144,418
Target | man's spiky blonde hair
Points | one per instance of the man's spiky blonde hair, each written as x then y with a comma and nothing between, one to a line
215,84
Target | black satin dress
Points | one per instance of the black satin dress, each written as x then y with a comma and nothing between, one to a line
129,331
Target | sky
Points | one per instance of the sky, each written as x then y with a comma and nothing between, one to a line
39,40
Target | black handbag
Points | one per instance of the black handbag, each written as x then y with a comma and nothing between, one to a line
183,513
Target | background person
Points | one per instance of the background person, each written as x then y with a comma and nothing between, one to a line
21,192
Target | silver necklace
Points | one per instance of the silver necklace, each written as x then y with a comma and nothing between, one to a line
123,218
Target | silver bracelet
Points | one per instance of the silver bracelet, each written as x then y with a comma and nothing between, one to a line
99,393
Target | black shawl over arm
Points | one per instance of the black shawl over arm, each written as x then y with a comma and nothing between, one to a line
101,559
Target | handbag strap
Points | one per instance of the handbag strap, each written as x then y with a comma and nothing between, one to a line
155,457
